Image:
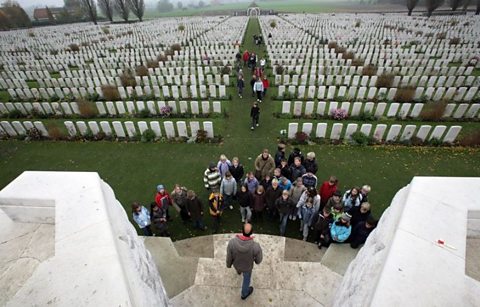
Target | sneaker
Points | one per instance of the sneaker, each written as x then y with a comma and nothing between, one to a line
319,245
294,218
252,128
250,291
243,220
258,125
240,96
231,207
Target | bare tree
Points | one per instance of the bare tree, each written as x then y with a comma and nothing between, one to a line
454,4
106,6
90,7
411,4
432,5
121,6
137,7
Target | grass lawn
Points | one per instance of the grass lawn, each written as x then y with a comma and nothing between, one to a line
134,169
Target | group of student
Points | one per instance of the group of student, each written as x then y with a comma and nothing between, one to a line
279,189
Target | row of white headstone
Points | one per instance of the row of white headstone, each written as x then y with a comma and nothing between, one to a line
359,80
110,108
395,132
402,110
121,129
165,91
131,129
368,93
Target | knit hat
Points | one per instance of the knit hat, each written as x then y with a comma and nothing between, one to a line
337,193
346,217
160,187
212,165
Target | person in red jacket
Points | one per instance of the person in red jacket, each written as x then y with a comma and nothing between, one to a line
163,200
266,84
246,56
327,189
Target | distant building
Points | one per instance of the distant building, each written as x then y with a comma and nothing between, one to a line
47,14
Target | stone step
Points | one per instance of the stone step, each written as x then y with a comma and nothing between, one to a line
301,251
338,257
201,247
177,272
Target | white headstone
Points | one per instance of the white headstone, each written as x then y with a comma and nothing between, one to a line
155,126
106,128
321,130
379,132
307,128
461,109
82,127
130,127
351,128
423,132
292,130
208,127
452,134
438,132
72,131
118,128
336,131
392,111
365,129
169,129
393,133
380,109
194,127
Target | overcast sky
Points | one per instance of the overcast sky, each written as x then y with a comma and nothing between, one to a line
42,3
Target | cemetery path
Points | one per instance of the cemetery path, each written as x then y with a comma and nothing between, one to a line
238,134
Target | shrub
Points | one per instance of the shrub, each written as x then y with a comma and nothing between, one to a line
339,114
181,27
340,49
367,116
106,30
384,80
455,41
31,34
14,114
74,47
301,137
175,47
273,24
152,64
405,94
202,136
130,32
226,70
128,78
369,70
148,136
360,138
442,35
141,71
416,141
332,45
279,69
162,58
53,52
433,111
55,133
472,139
349,55
110,92
87,109
144,113
34,134
358,62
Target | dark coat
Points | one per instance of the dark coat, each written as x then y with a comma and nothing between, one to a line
259,202
195,208
245,199
293,155
284,206
358,216
296,172
272,195
311,166
360,234
237,172
278,157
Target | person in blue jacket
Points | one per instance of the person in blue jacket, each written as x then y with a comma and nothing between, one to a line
141,216
341,229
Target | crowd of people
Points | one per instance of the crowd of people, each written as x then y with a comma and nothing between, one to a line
279,189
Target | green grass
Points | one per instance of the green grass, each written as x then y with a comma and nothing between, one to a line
134,169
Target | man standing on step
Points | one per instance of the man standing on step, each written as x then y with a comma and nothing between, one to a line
242,251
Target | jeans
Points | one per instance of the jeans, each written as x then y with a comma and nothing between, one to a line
259,95
240,91
283,223
147,231
247,276
246,213
227,201
305,229
216,223
198,223
254,120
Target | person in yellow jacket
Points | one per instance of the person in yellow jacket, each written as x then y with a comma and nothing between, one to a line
215,203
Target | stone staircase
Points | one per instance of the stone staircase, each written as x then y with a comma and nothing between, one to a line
293,272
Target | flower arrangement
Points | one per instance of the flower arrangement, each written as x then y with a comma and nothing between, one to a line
166,111
339,114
